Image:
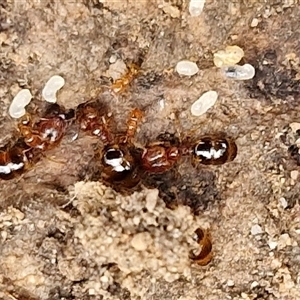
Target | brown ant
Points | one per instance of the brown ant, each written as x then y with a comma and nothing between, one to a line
120,158
15,160
47,132
92,118
35,137
213,150
159,157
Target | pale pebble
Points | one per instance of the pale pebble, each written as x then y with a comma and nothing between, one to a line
151,199
196,7
256,229
141,241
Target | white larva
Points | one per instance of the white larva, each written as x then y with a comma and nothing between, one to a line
17,106
52,86
237,72
186,68
204,103
196,7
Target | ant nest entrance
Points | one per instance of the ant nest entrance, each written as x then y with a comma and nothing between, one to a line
137,233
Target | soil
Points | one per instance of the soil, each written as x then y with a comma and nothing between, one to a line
65,235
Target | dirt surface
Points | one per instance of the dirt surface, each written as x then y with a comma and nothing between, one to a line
64,236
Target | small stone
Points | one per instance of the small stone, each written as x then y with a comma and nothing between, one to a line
141,241
204,103
284,240
272,244
196,7
254,22
237,72
294,174
91,292
230,282
171,10
113,59
116,70
104,279
244,296
151,199
230,56
294,126
254,284
186,68
256,229
52,86
283,202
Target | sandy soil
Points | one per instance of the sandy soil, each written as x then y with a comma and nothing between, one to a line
64,236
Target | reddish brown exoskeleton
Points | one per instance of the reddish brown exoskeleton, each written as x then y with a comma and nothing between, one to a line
92,118
36,136
213,150
121,159
161,156
47,132
16,160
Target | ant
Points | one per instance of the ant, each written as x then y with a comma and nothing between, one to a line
161,156
120,158
92,118
121,84
35,137
15,159
47,132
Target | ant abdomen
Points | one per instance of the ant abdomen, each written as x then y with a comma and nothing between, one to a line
15,160
213,150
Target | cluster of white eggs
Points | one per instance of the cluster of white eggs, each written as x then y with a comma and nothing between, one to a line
226,60
23,97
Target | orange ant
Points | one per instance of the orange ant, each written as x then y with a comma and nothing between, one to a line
121,84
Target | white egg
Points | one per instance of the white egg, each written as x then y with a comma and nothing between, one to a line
230,56
204,103
17,106
52,86
196,7
186,68
238,72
